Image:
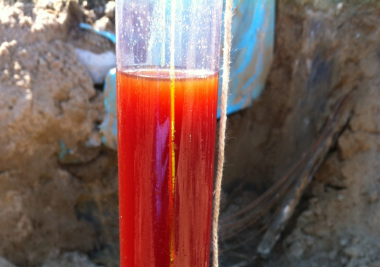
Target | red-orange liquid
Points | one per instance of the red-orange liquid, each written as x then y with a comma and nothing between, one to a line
166,142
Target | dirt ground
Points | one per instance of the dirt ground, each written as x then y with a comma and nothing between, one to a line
58,211
46,99
340,226
337,222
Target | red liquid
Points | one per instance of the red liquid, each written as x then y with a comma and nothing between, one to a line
166,142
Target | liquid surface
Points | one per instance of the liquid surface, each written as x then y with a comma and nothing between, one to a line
166,143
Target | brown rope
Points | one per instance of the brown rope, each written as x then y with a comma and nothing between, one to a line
222,128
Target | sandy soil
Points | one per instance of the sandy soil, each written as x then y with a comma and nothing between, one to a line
46,97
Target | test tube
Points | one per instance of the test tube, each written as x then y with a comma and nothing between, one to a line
168,54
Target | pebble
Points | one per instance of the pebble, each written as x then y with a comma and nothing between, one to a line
17,66
16,77
6,75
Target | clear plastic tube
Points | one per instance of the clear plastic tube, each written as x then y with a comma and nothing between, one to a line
167,79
